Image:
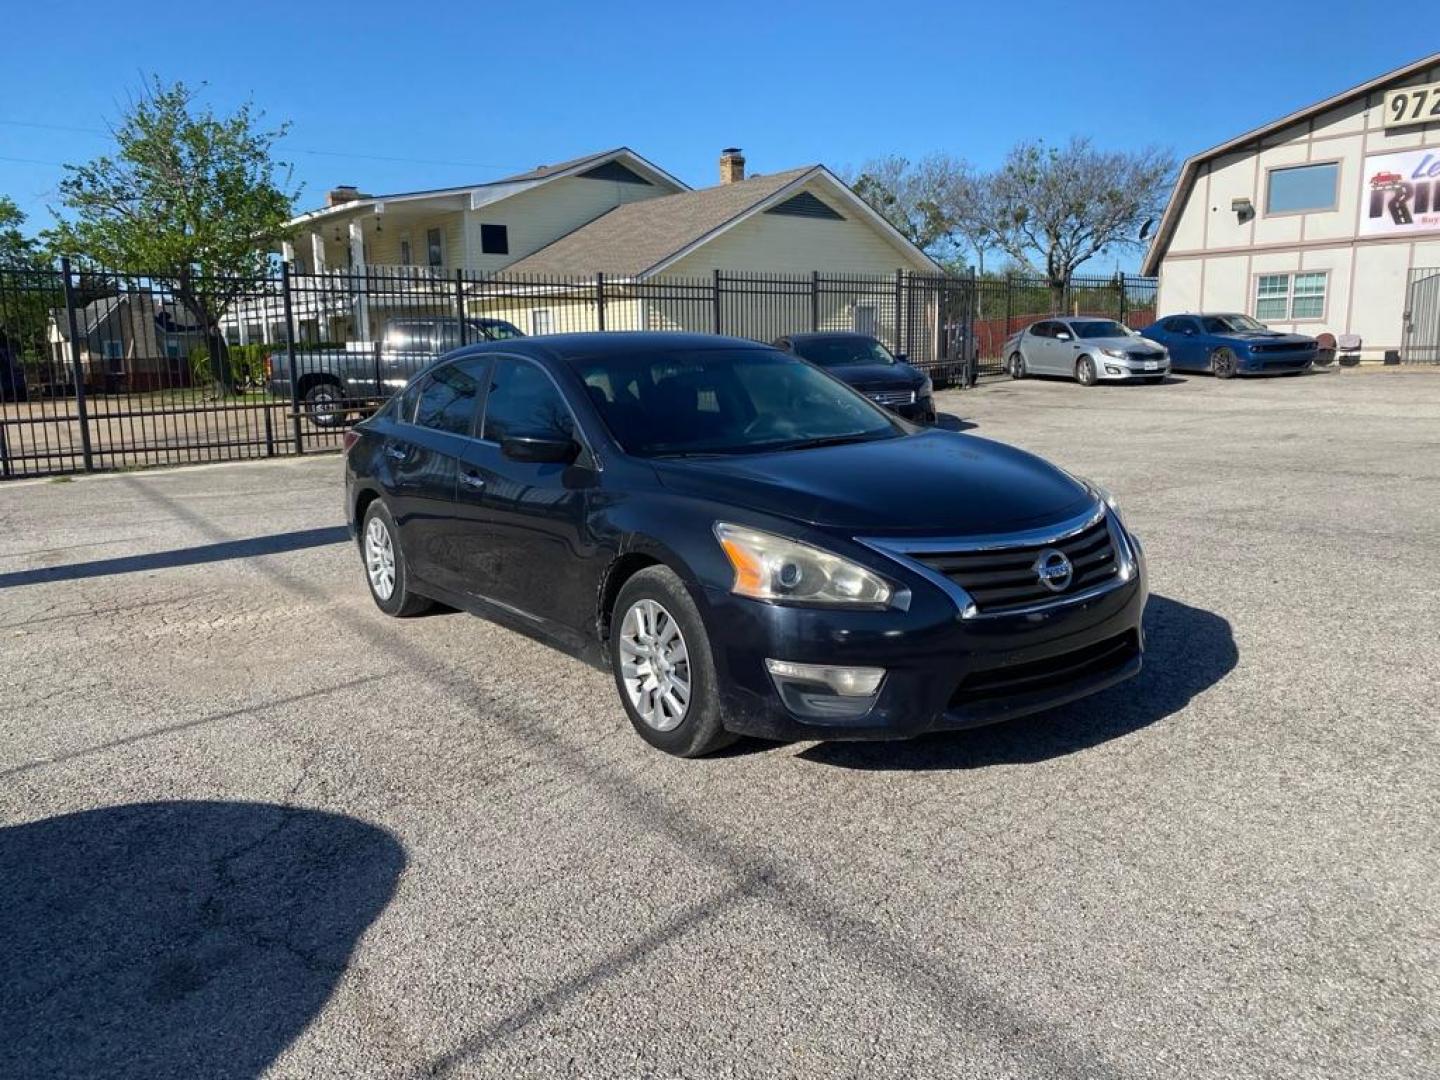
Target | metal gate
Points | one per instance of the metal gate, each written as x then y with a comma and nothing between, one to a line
1422,317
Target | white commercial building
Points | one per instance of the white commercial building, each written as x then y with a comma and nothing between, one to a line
1327,220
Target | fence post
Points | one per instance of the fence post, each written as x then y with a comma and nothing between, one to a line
600,300
899,310
79,367
715,299
1009,287
290,361
1121,276
814,301
460,305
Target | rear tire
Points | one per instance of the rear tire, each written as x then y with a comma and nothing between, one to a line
663,667
325,405
386,571
1085,373
1017,366
1223,363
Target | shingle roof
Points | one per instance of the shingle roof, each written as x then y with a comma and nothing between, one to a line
634,237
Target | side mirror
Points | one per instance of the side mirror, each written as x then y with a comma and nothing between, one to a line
1189,331
1062,336
901,358
540,448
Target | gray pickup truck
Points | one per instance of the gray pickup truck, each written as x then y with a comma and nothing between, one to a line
359,375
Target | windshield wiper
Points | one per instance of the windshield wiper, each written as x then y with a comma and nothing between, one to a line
826,440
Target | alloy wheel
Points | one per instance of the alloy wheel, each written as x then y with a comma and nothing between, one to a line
1017,366
380,558
1223,363
655,665
1085,371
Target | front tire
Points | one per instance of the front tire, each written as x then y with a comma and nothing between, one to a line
386,571
664,670
1085,373
1223,363
1017,366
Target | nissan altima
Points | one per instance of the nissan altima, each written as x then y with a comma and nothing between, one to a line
748,544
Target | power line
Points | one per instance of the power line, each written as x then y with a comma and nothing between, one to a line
293,149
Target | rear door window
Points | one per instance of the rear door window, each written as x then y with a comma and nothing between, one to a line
449,395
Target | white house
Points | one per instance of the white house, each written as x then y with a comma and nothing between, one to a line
1324,220
557,232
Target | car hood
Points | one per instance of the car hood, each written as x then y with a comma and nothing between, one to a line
1127,344
933,482
878,376
1267,336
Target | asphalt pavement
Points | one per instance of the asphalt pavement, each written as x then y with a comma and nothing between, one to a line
250,826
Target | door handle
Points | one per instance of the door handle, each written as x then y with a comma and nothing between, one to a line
473,480
396,452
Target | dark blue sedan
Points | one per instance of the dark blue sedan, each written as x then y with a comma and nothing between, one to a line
748,543
1230,344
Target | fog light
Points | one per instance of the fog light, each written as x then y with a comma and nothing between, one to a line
824,691
1111,369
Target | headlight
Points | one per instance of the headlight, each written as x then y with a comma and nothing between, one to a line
1118,354
1103,494
926,388
769,567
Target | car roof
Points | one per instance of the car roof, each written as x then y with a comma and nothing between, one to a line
830,335
636,343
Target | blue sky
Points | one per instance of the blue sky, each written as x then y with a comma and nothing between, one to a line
469,92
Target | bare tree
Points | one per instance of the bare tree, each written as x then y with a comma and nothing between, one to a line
1054,208
931,201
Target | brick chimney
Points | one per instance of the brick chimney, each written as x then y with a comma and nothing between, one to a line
342,193
732,165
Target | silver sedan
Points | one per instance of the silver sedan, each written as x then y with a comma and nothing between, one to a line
1086,349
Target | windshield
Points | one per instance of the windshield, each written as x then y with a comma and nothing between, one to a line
726,401
1219,324
838,352
1099,328
499,329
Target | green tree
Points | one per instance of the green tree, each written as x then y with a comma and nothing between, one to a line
17,251
187,196
1057,207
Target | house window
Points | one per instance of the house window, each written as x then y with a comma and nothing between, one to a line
405,251
539,321
494,239
1302,187
1285,297
434,247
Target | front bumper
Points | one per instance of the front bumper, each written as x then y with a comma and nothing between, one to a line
1111,370
941,672
1260,365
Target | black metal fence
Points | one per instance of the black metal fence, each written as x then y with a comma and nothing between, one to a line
105,371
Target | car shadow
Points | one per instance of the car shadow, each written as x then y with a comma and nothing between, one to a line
951,422
179,939
1188,650
275,544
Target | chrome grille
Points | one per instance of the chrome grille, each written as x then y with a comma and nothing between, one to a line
891,398
1000,579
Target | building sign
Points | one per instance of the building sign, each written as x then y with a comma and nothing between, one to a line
1408,105
1400,193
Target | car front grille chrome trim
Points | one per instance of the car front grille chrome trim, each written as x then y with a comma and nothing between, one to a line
907,552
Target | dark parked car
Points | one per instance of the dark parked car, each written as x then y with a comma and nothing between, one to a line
1230,344
12,373
871,368
750,545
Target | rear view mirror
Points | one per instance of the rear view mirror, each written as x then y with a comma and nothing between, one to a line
540,448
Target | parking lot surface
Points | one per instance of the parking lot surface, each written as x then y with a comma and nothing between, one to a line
249,825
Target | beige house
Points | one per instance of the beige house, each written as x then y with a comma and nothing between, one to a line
611,221
1326,220
126,342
